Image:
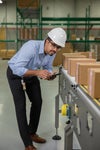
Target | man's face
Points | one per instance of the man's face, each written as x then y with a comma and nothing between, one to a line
50,47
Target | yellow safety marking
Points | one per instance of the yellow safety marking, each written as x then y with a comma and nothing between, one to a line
64,109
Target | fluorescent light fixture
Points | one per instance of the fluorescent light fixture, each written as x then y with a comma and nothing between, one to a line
1,1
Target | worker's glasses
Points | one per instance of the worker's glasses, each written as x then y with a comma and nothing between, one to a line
54,45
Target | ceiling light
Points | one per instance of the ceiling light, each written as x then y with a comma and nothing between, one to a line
1,1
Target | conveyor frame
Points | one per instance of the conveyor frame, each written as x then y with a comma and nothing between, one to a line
86,121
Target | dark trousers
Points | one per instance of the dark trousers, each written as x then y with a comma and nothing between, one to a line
34,94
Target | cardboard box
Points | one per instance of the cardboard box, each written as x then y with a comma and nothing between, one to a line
10,53
58,58
3,53
94,82
73,61
2,37
6,54
73,37
88,54
81,76
66,56
28,3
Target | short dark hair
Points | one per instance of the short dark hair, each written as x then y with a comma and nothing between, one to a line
48,39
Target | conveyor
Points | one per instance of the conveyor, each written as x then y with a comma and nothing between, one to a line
84,118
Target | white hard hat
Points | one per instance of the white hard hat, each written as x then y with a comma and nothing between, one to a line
58,36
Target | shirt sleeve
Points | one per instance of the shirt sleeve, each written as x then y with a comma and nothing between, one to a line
25,54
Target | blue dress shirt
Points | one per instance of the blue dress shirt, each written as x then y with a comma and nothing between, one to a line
30,57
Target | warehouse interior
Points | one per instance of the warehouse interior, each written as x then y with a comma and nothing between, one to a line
21,21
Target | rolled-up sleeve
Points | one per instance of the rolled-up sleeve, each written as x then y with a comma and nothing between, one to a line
21,59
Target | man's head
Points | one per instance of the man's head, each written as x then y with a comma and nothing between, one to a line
56,39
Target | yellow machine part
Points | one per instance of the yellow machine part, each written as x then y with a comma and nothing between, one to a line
64,109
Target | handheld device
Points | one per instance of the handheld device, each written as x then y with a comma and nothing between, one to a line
56,74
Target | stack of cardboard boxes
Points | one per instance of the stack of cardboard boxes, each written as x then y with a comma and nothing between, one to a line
81,76
72,64
86,70
67,56
7,54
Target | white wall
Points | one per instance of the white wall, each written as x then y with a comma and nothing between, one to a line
57,8
54,8
11,11
3,13
8,11
76,8
81,6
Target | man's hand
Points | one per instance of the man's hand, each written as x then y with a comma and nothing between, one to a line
44,74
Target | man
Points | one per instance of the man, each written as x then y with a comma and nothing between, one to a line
31,62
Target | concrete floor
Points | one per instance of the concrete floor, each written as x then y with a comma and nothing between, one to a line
9,135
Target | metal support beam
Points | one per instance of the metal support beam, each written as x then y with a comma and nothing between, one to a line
68,137
56,137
